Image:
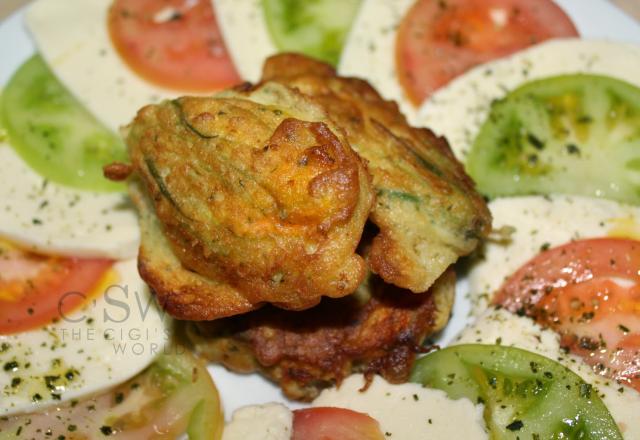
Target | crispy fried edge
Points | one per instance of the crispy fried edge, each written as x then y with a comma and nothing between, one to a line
184,294
299,384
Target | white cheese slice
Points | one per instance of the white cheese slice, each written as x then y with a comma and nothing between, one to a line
49,218
110,340
73,38
246,35
369,51
408,411
271,421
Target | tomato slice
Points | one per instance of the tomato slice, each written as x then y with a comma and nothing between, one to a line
172,43
525,395
325,423
36,290
439,40
589,292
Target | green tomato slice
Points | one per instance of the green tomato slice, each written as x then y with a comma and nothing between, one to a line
316,28
526,396
174,396
572,134
54,134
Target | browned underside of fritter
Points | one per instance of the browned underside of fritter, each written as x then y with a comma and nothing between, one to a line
379,329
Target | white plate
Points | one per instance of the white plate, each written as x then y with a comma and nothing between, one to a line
594,19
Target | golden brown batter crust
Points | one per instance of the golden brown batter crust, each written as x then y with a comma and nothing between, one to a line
426,206
252,199
260,194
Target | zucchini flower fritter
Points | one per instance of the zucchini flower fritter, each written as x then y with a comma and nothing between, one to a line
427,210
249,197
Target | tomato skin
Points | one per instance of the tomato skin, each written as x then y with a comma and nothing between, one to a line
439,40
325,423
546,399
589,292
35,290
185,51
506,157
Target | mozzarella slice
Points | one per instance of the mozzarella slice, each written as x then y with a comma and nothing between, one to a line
369,52
49,218
272,421
110,340
505,328
537,223
245,34
458,110
73,38
408,411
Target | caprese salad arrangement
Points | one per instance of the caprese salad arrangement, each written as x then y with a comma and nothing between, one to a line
547,124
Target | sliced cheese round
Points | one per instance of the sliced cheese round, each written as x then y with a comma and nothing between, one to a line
111,339
53,219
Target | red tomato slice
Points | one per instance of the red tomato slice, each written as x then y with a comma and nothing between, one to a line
589,292
35,289
440,39
172,43
325,423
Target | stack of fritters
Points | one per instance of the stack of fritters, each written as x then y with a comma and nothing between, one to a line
261,194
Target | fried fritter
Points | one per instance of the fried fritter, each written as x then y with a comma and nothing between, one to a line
379,329
183,293
258,198
426,207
